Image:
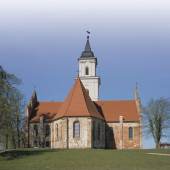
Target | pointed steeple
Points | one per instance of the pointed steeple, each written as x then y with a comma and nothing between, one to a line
137,98
34,100
33,103
136,92
78,103
87,50
87,46
34,95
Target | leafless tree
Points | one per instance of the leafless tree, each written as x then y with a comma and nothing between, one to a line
157,119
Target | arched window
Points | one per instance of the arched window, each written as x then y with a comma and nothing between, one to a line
61,131
35,130
56,128
98,132
47,130
76,129
87,71
130,133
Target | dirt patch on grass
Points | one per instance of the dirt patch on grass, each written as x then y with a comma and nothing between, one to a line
159,154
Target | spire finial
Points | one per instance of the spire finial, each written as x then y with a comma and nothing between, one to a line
87,47
88,34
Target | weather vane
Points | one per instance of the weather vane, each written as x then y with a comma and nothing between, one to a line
88,33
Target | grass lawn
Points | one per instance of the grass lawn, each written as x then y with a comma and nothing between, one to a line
32,159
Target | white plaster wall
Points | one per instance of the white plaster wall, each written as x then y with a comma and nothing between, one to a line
91,81
92,84
91,64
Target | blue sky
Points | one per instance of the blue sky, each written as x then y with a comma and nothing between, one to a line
40,42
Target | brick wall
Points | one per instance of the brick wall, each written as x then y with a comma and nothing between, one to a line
117,135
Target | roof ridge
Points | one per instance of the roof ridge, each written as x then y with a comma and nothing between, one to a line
50,101
78,103
70,99
87,46
85,93
114,100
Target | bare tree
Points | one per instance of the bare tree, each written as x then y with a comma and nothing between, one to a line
11,109
157,118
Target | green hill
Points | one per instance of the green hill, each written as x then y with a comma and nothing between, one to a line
34,159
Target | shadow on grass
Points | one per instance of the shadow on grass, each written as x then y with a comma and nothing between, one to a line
19,153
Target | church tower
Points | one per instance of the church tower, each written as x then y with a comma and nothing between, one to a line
87,71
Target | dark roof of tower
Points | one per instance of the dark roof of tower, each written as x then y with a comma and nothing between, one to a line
87,53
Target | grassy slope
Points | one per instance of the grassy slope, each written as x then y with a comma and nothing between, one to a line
84,160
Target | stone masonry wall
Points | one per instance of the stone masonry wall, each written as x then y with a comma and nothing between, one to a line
39,139
98,130
85,133
117,136
59,137
64,137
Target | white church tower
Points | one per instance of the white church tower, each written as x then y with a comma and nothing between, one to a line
87,71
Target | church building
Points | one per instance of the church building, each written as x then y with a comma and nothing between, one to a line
83,120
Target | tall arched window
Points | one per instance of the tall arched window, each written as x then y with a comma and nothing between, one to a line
47,130
76,129
61,131
98,132
35,130
87,71
56,128
130,133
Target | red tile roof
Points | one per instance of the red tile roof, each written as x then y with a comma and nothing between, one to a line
78,103
48,109
113,109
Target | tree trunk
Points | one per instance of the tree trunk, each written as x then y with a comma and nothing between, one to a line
158,145
18,133
6,141
13,141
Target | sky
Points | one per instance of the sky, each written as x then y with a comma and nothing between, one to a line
41,40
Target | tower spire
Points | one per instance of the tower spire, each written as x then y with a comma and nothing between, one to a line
87,53
87,71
